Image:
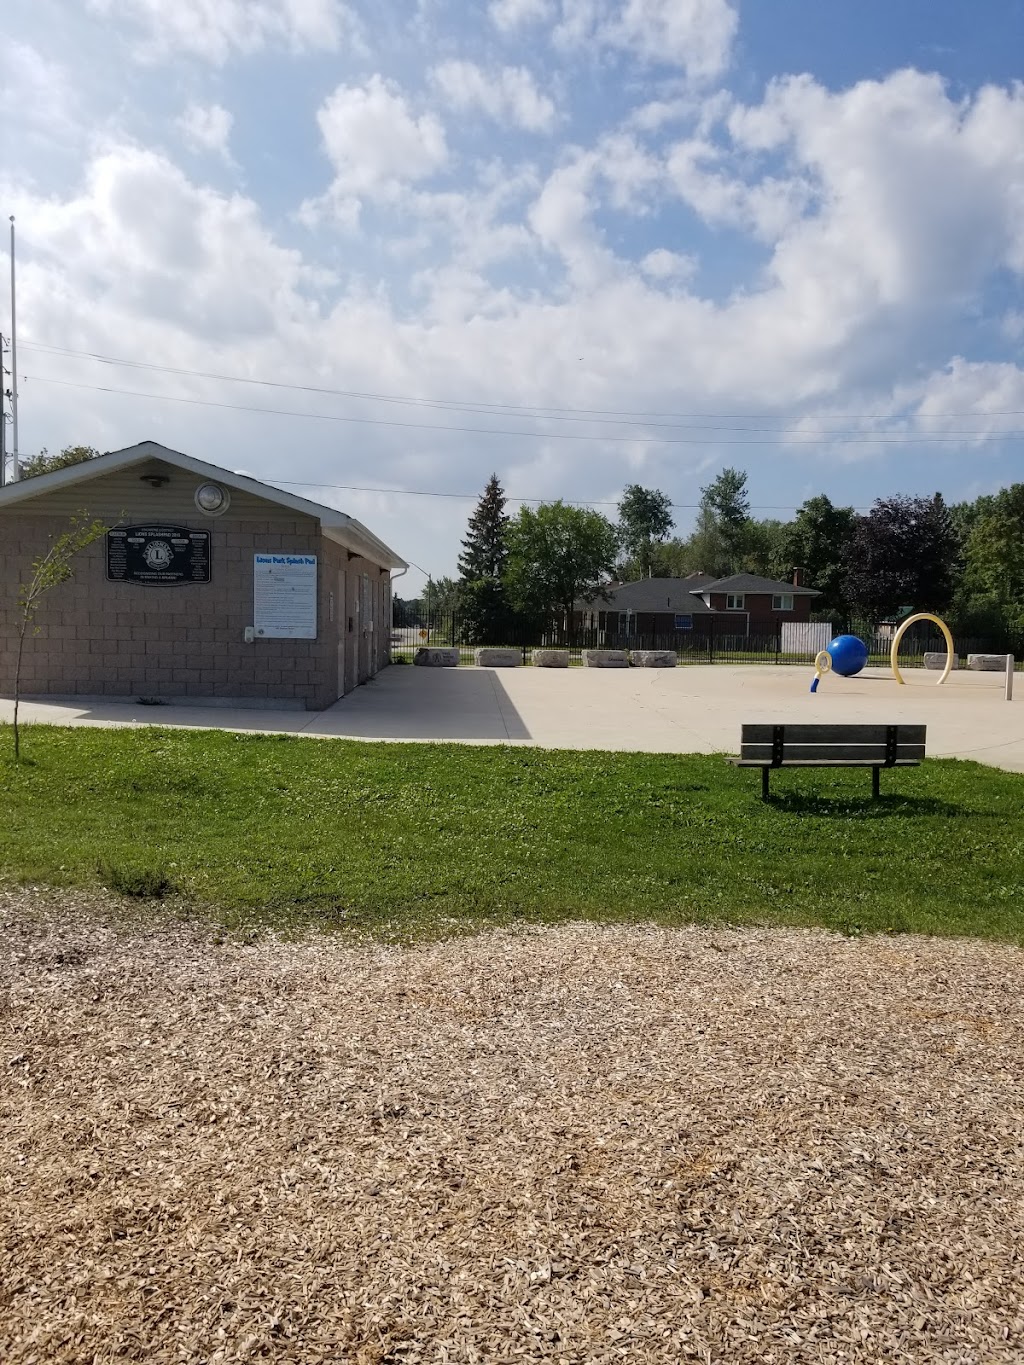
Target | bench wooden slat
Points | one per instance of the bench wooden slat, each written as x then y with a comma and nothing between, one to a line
770,747
824,763
867,753
759,733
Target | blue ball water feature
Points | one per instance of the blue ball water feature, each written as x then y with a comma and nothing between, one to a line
848,653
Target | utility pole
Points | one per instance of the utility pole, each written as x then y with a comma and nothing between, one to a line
16,470
3,415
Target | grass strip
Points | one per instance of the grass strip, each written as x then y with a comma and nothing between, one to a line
413,840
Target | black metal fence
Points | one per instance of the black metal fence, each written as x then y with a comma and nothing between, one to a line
713,643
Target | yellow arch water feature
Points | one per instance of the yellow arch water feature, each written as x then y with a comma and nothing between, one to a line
904,627
823,660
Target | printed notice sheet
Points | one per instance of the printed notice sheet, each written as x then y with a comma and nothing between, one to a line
284,597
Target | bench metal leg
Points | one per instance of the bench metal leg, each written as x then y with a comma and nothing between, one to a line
874,781
764,783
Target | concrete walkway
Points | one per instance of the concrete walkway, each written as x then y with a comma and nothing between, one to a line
697,709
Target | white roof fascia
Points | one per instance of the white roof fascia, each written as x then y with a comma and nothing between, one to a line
339,526
23,489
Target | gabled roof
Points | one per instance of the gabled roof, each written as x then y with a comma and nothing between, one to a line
752,582
337,526
652,594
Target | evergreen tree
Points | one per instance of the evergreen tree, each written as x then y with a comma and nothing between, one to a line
483,604
484,551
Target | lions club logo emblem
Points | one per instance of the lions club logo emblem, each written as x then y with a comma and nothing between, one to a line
158,554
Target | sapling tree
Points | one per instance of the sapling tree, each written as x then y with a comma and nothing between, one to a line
49,571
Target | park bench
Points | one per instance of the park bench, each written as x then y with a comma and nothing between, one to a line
830,746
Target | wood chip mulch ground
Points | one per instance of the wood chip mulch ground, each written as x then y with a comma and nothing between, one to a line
580,1144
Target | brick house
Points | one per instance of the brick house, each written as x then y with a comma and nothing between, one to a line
685,608
208,585
649,607
758,606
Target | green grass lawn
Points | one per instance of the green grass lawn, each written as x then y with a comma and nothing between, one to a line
404,840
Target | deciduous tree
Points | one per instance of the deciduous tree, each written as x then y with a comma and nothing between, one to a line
818,540
45,463
49,571
645,519
558,555
723,521
994,552
905,552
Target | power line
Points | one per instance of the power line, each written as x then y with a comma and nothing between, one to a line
864,438
511,497
618,416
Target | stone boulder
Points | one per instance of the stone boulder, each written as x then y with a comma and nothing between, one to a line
652,658
551,658
987,663
605,658
489,657
427,657
938,661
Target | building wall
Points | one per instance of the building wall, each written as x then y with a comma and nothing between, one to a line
758,606
124,639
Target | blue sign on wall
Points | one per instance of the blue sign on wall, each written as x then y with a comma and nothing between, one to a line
684,623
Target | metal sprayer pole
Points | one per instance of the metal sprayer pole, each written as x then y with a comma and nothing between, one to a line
16,471
1009,677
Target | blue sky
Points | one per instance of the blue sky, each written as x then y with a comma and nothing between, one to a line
607,241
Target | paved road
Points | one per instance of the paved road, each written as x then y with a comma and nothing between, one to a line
697,709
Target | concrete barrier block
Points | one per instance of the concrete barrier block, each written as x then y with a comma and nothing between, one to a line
987,663
605,658
489,657
938,661
551,658
436,658
652,658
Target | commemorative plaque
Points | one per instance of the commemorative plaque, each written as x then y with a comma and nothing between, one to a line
158,555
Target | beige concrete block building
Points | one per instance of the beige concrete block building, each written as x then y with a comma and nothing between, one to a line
208,585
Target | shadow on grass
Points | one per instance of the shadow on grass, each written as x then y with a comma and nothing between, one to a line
862,808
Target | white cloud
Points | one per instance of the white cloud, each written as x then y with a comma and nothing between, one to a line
920,195
36,91
162,252
767,207
511,14
628,170
476,228
695,35
662,264
977,388
207,128
562,218
376,143
617,173
215,29
894,207
508,95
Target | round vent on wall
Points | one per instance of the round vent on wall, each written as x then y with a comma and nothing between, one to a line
211,499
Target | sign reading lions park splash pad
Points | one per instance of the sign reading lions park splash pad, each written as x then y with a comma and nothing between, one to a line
158,554
284,597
